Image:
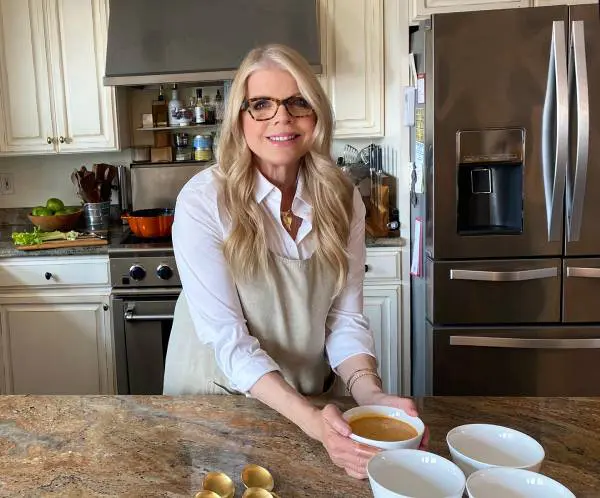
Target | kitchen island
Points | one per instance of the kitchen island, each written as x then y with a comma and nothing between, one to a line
163,446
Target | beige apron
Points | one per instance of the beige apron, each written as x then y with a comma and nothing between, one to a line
285,309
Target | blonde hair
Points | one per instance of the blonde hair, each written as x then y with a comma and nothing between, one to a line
246,247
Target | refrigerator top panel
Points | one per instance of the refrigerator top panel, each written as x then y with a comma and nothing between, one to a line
490,73
583,178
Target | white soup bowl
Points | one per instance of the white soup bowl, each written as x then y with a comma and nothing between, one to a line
387,411
479,446
414,474
500,482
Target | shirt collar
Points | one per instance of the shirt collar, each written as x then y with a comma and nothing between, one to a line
263,188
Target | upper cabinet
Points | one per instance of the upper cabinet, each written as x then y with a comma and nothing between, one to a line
52,58
24,78
548,3
352,53
422,9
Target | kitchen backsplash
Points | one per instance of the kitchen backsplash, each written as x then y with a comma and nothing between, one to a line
36,178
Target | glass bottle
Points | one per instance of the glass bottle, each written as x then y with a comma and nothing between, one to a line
199,108
159,110
219,107
209,111
175,108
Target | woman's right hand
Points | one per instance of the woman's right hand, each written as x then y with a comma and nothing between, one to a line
343,451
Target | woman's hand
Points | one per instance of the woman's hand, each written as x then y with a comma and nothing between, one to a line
343,451
406,404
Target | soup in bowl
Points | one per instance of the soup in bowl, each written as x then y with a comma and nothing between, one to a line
384,427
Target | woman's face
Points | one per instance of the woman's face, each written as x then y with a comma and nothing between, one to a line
283,139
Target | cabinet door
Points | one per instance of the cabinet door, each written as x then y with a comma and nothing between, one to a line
25,110
352,58
381,308
85,114
56,348
422,9
547,3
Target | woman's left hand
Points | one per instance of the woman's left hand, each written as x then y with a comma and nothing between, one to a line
406,404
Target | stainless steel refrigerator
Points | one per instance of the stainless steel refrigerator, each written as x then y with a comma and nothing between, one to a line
506,300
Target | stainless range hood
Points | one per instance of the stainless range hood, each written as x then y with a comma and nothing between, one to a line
153,41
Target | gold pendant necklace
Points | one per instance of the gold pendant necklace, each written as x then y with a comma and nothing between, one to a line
287,218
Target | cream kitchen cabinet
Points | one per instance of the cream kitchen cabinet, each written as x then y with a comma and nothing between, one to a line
352,54
422,9
55,332
52,58
382,306
548,3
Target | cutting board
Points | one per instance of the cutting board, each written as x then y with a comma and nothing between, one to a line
61,244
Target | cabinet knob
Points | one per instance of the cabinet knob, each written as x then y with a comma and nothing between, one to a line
49,140
105,307
61,140
47,275
366,268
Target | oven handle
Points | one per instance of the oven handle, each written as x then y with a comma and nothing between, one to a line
131,317
515,343
158,291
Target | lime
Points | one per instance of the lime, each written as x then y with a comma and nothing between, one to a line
36,210
61,212
44,212
55,204
72,209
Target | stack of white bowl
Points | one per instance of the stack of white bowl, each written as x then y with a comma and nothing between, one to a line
490,461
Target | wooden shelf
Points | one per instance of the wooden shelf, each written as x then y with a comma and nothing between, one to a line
181,128
175,163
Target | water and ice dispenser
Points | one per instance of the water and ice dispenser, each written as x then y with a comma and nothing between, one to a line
490,181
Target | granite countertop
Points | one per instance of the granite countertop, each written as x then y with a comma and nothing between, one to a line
163,446
8,250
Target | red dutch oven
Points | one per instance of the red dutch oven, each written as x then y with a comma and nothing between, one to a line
150,223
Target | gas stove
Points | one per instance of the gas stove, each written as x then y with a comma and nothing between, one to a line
143,263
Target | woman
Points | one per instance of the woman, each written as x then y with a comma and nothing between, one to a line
270,250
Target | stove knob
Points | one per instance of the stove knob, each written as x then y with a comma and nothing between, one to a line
164,272
137,272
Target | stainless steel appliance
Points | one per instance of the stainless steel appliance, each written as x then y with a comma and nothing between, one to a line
508,131
204,40
145,284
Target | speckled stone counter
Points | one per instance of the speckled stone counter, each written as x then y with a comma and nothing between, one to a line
163,446
8,249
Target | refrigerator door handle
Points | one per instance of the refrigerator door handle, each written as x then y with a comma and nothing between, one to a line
516,343
576,271
555,124
504,276
579,92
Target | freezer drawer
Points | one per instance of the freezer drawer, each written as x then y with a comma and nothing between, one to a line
494,291
581,289
523,361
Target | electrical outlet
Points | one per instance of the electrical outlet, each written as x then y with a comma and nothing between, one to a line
6,184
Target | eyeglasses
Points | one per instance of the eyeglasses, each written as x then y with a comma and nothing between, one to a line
265,108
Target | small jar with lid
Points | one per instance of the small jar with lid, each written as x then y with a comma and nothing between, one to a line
203,148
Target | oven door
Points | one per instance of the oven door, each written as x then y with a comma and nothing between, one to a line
142,326
519,361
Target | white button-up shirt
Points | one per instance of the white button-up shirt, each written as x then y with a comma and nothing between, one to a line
200,228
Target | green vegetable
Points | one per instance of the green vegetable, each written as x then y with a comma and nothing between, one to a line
55,204
36,211
37,237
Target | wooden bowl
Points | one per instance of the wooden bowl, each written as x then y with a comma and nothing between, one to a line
62,222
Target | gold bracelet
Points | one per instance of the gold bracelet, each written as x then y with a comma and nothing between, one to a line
354,374
364,374
361,372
